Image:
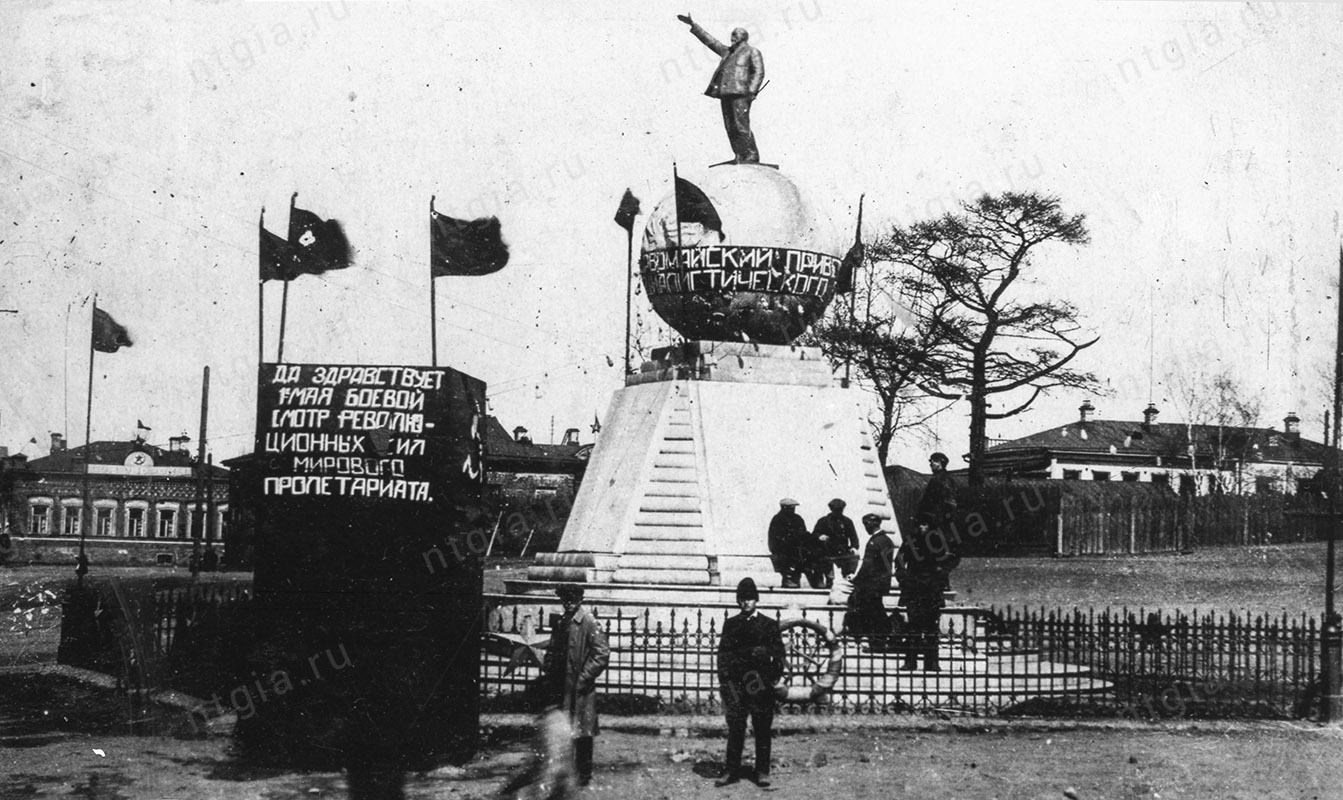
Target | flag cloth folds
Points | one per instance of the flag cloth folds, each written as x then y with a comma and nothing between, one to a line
141,426
465,247
318,245
277,258
693,205
629,209
849,268
108,335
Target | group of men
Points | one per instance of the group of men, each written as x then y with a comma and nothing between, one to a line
832,544
751,654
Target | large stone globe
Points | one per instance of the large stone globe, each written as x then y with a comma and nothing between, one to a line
738,253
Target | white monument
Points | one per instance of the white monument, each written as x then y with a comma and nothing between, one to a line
699,447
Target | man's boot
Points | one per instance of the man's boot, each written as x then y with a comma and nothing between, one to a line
583,759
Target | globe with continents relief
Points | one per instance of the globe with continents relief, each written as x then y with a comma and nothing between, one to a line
738,253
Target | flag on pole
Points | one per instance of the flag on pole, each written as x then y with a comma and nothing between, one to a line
319,245
141,426
108,335
277,258
693,205
629,209
464,247
853,260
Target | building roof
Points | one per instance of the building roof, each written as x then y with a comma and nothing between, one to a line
503,452
72,460
1105,437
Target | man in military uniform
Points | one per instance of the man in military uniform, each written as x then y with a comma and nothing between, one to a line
739,77
750,662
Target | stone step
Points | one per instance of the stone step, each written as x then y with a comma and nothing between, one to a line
665,547
668,519
674,577
678,533
664,460
664,503
664,561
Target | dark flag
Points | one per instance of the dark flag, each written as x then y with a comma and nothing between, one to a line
629,209
693,205
140,425
108,335
853,260
464,246
849,268
318,245
277,258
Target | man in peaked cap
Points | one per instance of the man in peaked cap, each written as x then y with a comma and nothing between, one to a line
787,542
837,543
576,655
750,663
867,609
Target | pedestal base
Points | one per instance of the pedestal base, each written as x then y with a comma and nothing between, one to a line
697,452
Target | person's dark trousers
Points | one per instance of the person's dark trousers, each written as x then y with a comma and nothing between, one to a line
762,727
923,633
737,121
583,759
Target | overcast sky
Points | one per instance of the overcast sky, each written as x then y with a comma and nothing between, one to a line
139,141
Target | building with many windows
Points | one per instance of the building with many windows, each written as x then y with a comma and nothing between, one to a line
143,500
1190,459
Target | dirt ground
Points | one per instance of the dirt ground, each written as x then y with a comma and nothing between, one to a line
912,759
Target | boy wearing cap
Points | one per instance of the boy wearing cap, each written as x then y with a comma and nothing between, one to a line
750,662
838,543
576,655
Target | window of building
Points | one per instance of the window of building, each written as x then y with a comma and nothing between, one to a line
1160,479
167,528
1072,474
135,522
39,518
72,517
102,521
1263,484
1129,477
1100,475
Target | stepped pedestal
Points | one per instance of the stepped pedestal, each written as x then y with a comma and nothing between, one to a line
695,454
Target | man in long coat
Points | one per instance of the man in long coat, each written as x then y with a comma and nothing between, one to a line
924,564
576,655
739,77
750,662
787,543
867,608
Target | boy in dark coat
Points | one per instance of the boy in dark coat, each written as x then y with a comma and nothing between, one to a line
750,663
867,609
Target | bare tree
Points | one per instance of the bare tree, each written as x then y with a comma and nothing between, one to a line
887,342
1225,412
971,264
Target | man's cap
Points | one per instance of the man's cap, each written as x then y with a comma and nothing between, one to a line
940,457
746,590
569,592
837,503
788,501
872,517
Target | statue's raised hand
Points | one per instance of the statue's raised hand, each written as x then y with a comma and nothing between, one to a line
685,18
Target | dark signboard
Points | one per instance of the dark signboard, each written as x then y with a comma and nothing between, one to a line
367,482
363,469
732,268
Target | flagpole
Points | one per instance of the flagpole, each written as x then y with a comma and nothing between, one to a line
676,203
433,292
198,518
284,296
853,291
82,562
260,296
629,290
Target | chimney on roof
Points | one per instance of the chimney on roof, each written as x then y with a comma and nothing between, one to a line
1085,411
1149,418
1291,425
521,435
570,436
57,443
